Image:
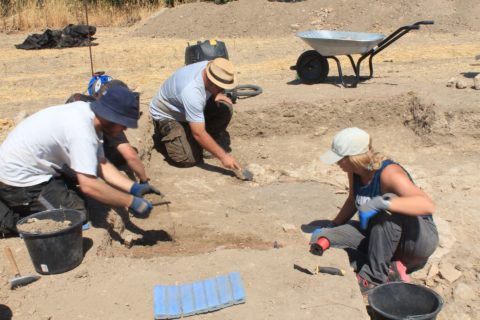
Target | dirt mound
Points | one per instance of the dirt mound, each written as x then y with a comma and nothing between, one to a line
287,118
262,18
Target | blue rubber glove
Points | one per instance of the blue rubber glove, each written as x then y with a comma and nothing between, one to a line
317,232
140,207
372,207
141,189
315,235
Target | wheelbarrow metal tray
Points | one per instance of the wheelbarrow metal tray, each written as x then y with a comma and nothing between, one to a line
334,43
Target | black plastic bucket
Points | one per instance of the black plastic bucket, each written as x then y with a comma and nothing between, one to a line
58,251
404,301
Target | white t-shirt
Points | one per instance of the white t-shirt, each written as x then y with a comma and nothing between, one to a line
48,140
184,94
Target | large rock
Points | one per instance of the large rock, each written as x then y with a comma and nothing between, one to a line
476,82
449,273
452,82
461,84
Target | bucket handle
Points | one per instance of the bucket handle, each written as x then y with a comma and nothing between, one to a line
418,317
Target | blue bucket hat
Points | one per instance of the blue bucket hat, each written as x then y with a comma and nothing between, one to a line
118,105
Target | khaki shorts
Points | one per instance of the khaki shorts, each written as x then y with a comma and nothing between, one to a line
180,147
176,138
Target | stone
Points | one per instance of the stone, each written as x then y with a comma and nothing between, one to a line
433,271
429,283
449,273
253,170
452,82
463,292
476,82
461,84
260,174
295,26
320,131
288,227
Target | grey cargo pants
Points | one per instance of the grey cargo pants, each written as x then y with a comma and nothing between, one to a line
388,237
176,138
20,202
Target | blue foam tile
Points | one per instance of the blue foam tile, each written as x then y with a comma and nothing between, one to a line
166,302
211,292
173,304
186,297
200,297
237,288
224,290
159,306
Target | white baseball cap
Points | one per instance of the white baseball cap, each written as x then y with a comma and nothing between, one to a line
348,142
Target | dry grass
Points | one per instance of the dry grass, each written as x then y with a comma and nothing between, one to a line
55,14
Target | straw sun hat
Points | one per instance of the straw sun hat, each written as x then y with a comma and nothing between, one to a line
222,73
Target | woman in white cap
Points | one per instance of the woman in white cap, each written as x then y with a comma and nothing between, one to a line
396,233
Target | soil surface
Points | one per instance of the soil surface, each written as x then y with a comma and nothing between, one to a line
217,223
43,226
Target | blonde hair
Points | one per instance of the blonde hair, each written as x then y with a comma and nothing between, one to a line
370,160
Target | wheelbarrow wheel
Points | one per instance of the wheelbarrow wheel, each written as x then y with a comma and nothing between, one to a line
312,67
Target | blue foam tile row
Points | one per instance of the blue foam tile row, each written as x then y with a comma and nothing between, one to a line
171,302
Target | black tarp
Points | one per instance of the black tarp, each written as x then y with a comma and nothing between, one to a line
73,35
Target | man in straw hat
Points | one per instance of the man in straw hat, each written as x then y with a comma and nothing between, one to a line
66,135
191,113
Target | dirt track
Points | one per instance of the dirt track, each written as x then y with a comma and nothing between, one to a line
221,224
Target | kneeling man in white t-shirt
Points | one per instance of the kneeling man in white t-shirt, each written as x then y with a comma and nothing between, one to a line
64,136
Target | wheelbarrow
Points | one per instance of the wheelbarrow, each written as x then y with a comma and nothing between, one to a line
312,65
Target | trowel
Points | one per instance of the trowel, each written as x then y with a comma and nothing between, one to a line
244,175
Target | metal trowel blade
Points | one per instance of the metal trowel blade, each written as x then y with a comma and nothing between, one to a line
243,175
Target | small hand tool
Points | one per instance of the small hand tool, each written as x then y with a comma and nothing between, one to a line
304,270
318,269
161,202
330,270
17,280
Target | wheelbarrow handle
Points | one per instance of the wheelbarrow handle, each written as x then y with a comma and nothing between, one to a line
424,22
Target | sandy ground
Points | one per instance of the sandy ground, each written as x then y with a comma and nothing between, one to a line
217,224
